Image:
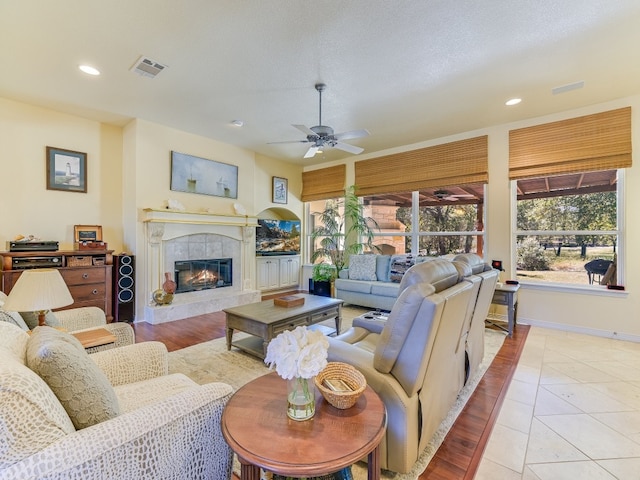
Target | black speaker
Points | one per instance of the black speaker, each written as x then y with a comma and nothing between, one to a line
124,305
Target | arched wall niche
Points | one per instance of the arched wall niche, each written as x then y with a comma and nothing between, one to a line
277,213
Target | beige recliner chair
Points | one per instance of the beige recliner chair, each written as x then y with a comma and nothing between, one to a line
484,278
411,361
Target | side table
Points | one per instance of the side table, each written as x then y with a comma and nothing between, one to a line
95,337
506,295
256,427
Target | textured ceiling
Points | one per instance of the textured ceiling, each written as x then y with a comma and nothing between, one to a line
407,71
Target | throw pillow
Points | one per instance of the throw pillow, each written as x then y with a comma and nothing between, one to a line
383,262
31,417
399,265
362,267
31,319
13,318
82,388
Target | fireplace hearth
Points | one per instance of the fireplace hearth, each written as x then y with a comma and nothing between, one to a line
194,275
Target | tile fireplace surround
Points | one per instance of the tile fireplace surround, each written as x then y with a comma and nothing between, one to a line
172,235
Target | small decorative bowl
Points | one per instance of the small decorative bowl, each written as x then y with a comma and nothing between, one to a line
345,373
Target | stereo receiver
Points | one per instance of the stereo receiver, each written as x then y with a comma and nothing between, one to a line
23,263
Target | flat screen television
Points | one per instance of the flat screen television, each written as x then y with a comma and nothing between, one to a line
278,237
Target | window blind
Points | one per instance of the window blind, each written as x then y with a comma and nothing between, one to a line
323,183
594,142
455,163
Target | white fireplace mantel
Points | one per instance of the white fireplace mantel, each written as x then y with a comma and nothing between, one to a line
152,215
163,225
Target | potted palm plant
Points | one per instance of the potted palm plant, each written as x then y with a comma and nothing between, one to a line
343,230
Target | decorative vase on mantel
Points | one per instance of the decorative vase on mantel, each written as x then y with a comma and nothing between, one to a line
301,398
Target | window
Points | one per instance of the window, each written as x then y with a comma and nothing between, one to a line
568,227
429,222
314,221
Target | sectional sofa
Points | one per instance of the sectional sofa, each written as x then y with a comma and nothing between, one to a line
373,280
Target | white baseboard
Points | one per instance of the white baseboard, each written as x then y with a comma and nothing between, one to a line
575,329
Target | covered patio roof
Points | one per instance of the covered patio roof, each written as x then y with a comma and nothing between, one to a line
529,188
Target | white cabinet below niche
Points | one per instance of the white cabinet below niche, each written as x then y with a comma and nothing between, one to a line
277,272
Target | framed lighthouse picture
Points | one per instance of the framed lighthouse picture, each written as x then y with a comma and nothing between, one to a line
66,170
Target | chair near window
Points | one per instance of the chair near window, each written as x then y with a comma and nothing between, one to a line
600,267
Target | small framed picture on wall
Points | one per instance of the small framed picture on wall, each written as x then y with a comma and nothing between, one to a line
66,170
280,190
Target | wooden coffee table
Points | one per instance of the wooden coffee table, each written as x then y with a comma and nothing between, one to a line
256,427
264,320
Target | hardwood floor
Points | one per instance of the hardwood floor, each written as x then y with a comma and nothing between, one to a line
459,455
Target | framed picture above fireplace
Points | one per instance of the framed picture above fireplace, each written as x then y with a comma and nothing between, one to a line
206,177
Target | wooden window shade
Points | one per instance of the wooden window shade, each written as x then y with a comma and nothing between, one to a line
593,142
455,163
323,183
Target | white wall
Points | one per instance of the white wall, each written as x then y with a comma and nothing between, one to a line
26,206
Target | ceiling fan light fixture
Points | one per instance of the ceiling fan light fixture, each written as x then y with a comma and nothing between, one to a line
322,136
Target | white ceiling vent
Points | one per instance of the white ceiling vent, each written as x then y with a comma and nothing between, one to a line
147,68
568,87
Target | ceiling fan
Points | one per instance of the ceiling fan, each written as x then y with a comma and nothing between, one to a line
322,136
446,195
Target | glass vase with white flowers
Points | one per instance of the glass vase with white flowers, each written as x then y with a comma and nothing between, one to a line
299,355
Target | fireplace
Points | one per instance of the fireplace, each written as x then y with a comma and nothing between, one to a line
194,275
180,236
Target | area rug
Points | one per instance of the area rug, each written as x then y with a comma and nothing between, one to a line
211,362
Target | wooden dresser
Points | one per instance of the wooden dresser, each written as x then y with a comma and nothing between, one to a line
88,274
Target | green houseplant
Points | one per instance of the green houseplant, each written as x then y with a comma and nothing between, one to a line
343,230
322,275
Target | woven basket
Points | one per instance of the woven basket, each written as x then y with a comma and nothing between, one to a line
79,261
349,375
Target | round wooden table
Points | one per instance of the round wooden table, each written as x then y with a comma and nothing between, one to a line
256,426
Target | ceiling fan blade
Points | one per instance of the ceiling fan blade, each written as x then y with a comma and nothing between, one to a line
348,148
306,130
291,141
352,134
311,152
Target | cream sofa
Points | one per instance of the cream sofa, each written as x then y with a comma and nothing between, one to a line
412,360
77,320
159,426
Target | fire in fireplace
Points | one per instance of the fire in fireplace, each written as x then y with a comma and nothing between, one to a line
192,275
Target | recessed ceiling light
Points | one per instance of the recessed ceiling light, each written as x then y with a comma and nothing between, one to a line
89,70
237,123
513,101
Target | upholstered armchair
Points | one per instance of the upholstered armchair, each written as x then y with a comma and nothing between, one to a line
75,320
411,360
114,414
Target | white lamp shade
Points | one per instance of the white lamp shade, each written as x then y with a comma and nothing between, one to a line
37,290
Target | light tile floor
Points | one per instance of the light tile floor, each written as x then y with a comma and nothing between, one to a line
571,412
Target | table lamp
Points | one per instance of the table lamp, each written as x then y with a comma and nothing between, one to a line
39,291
